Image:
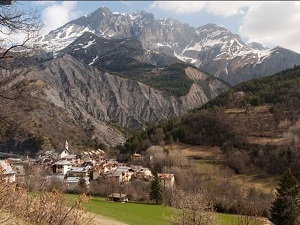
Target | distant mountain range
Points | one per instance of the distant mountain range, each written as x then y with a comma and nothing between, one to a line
212,48
108,71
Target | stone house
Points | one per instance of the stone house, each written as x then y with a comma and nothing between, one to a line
61,167
167,180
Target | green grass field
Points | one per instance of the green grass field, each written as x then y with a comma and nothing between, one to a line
130,213
227,219
139,213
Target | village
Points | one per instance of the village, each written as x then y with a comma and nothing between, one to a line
76,170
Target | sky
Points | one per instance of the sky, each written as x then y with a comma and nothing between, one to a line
271,23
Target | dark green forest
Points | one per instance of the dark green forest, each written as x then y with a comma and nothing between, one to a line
172,80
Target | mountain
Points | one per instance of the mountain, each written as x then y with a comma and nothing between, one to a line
78,98
115,54
256,124
212,48
279,90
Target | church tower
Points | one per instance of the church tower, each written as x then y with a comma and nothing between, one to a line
67,145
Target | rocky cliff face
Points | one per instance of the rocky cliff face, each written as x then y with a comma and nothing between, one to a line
214,49
88,95
115,54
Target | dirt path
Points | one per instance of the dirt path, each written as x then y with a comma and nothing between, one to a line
102,220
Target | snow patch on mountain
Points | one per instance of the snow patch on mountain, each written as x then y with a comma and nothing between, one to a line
93,61
59,39
163,45
185,58
90,43
196,47
262,55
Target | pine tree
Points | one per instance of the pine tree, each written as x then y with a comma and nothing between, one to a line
285,209
156,190
82,183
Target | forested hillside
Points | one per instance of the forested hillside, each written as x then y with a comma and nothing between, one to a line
256,124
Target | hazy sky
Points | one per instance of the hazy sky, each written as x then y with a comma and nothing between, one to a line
268,22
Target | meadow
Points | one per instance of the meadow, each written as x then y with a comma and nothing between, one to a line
134,213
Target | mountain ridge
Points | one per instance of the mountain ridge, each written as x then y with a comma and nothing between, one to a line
101,102
212,48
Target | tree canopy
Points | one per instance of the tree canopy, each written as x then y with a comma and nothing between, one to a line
156,190
285,209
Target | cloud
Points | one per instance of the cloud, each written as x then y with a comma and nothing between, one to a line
179,6
273,23
41,2
228,8
218,8
58,14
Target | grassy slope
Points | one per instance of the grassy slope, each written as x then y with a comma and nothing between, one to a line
253,178
139,213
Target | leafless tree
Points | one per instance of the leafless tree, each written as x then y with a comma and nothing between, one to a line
191,208
17,28
42,208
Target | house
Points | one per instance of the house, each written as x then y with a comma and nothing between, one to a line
8,172
74,159
45,160
77,172
87,165
86,158
101,152
135,168
167,180
97,156
109,167
127,173
115,177
144,173
52,154
136,157
97,171
55,155
64,153
118,197
72,182
61,167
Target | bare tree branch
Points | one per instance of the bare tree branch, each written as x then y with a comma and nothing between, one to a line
15,61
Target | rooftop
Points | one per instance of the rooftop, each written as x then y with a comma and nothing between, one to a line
63,162
165,175
6,167
76,179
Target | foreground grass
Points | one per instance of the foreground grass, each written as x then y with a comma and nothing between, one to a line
130,213
133,213
227,219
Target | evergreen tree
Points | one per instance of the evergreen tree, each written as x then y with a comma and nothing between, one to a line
285,208
156,190
82,183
